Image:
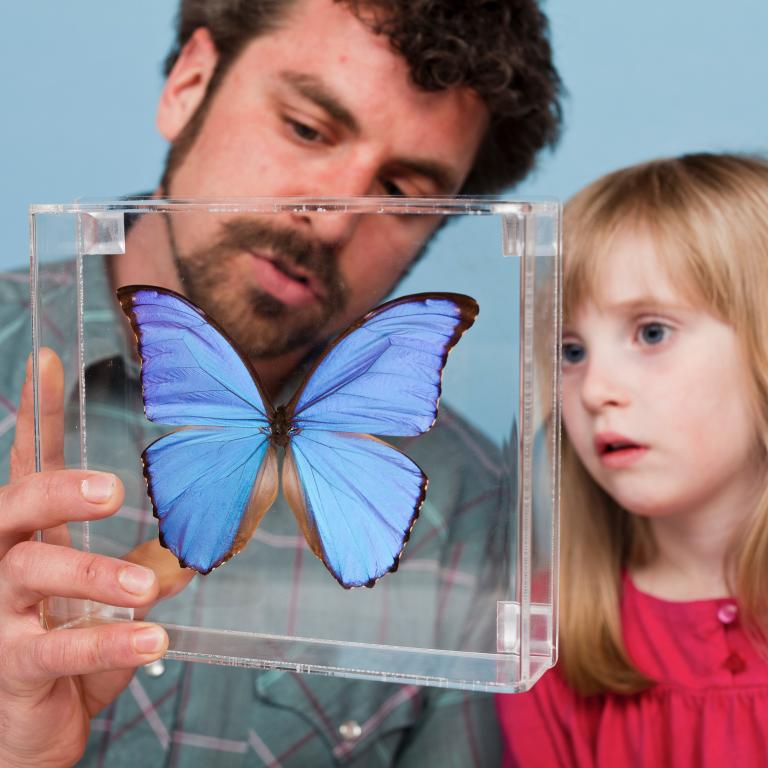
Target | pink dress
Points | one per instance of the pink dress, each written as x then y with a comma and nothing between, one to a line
709,708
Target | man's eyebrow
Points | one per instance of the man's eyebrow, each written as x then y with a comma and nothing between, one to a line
313,88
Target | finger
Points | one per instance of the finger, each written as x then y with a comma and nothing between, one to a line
51,404
68,652
44,500
59,534
171,577
32,571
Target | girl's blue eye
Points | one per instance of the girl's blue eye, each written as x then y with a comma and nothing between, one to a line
573,352
652,333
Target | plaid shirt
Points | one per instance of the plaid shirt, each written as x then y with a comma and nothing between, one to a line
189,714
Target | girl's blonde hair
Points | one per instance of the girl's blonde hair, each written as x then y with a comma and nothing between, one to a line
708,217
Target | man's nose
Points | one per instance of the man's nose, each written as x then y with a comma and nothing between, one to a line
350,177
329,223
603,384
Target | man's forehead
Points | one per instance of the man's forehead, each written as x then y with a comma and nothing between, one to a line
352,33
358,79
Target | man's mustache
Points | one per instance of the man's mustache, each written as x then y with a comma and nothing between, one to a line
288,247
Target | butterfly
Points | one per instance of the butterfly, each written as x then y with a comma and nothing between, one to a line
355,496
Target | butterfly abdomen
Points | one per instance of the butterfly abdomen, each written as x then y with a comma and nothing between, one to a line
282,427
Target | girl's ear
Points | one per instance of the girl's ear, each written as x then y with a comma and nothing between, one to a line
186,84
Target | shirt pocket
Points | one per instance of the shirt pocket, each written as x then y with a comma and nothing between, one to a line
333,721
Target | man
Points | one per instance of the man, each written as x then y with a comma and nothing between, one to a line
303,97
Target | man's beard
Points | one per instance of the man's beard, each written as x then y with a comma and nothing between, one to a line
216,277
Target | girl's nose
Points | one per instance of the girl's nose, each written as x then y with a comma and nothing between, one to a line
603,385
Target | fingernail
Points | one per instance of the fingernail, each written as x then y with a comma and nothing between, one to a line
149,640
97,488
135,579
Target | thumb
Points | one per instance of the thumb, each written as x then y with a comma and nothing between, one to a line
51,421
171,577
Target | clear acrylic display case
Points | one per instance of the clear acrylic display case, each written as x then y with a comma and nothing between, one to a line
473,603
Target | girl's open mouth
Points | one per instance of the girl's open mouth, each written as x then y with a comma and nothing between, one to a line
616,451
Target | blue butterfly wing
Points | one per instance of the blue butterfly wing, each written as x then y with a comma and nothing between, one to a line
383,376
191,373
355,498
209,486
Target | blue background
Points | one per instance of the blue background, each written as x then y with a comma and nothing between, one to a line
80,80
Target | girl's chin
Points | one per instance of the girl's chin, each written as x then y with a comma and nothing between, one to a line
648,510
640,504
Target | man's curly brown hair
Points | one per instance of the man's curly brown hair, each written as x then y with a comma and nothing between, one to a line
498,48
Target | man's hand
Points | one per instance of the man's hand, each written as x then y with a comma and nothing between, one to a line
53,682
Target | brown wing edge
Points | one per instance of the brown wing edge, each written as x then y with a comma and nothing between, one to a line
292,490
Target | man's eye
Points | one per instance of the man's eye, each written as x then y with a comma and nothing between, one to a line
652,333
573,353
392,189
305,132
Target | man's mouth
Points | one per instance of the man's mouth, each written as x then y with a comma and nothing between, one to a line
617,451
290,284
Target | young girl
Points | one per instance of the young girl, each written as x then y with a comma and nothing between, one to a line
664,599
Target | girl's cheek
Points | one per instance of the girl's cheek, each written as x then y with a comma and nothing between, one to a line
575,427
569,422
570,399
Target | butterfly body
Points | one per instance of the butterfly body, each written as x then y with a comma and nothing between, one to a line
355,497
282,427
